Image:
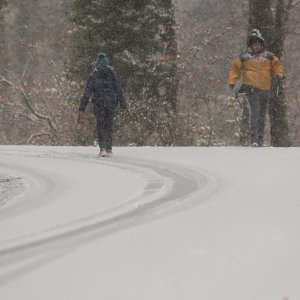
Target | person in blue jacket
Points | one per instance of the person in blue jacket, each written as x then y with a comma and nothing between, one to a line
105,93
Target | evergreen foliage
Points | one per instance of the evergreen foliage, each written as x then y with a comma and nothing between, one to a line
138,37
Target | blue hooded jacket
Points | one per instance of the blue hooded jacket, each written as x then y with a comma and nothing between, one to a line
102,87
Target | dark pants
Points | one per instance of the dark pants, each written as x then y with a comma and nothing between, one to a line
104,117
258,102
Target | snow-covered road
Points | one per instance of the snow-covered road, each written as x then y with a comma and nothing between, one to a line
150,223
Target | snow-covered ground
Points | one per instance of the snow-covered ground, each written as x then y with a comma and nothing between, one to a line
149,223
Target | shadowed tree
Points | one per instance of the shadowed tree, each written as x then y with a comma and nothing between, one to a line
2,42
138,37
271,17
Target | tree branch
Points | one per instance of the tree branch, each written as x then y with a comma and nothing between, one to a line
25,116
2,79
32,110
26,101
294,3
38,135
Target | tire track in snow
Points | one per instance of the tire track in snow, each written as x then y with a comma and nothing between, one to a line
9,187
32,186
170,188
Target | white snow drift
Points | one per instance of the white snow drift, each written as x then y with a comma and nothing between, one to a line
149,223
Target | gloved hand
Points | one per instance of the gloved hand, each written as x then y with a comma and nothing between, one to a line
280,86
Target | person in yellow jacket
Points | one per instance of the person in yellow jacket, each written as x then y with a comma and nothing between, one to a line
256,68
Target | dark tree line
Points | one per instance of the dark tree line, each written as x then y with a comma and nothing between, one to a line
174,95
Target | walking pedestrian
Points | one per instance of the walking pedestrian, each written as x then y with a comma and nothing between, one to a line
105,93
256,68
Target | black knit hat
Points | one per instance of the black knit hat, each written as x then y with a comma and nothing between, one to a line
255,36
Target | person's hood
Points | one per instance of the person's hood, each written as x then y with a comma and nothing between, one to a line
102,61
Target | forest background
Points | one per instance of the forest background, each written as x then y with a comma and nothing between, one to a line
171,58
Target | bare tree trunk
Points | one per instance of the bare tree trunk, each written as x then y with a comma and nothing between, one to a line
2,45
272,28
260,17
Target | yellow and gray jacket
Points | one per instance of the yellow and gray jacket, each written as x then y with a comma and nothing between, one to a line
255,70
